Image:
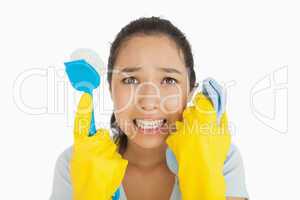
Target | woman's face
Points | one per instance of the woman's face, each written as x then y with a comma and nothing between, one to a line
149,88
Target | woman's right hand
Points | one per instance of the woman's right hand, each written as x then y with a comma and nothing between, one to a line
97,169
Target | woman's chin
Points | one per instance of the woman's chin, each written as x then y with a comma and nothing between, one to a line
149,141
147,138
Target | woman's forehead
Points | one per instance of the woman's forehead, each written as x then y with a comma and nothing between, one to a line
145,51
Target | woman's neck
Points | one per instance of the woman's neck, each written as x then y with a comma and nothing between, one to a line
145,158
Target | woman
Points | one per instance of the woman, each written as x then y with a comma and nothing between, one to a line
151,78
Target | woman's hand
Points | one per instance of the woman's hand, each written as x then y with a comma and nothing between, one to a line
97,169
200,145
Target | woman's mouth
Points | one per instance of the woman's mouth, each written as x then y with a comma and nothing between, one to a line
148,126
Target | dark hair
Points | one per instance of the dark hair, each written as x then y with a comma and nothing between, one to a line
147,26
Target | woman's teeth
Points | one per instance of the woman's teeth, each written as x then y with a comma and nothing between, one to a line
149,124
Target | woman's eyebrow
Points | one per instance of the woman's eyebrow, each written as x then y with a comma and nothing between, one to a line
165,69
170,70
130,69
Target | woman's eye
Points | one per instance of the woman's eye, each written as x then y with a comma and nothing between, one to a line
133,80
170,80
129,80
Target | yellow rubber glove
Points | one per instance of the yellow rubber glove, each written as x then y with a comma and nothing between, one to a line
200,146
97,169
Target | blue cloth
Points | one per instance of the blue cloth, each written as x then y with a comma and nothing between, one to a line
216,94
233,172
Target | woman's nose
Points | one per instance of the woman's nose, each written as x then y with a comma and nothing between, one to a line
148,97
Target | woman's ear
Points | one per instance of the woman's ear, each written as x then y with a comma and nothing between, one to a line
191,94
110,92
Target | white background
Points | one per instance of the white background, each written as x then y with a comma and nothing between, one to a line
242,44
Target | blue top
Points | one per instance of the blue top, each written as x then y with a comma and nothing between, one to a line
233,172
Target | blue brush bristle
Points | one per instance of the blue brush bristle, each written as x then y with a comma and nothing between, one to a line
82,75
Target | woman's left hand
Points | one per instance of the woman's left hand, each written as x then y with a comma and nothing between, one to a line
200,145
